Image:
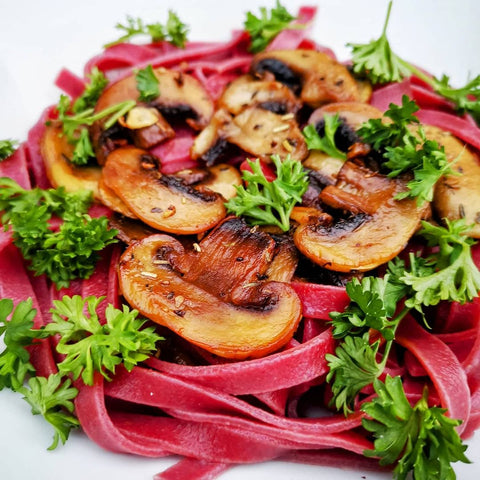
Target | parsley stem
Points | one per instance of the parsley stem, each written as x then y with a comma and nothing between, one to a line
385,25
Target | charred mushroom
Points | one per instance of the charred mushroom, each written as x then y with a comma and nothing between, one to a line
270,95
56,152
258,132
256,318
314,76
376,229
161,201
458,196
180,95
352,115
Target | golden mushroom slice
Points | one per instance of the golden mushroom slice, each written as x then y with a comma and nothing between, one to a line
314,76
270,95
258,132
458,196
181,95
56,152
111,200
222,179
353,113
164,202
376,230
151,274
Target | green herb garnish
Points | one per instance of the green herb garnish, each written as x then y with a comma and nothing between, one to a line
64,254
147,84
174,31
421,439
327,142
380,64
7,148
270,203
265,28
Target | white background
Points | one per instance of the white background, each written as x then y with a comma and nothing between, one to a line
38,38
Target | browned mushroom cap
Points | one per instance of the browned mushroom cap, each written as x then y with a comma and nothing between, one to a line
314,76
353,113
180,94
270,95
155,278
378,229
256,131
458,196
161,201
56,152
111,200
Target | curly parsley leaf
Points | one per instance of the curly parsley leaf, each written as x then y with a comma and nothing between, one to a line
74,125
353,367
174,31
265,28
270,203
93,90
407,151
394,132
466,98
7,148
147,84
447,274
327,142
89,346
52,398
372,303
62,254
420,438
15,360
376,59
380,64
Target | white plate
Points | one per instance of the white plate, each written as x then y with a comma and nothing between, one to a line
38,38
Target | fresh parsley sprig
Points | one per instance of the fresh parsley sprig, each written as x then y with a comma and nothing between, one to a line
52,398
353,367
373,304
449,273
93,89
421,439
380,64
17,330
265,28
89,346
64,254
48,397
7,148
376,59
270,203
407,150
74,125
327,142
174,31
147,84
